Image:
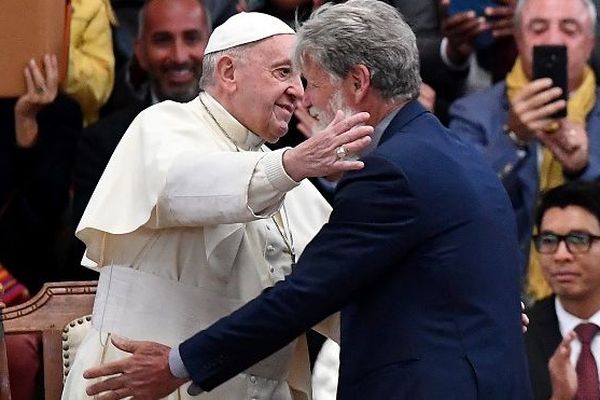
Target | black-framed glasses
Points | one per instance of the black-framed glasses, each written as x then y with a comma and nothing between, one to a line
577,242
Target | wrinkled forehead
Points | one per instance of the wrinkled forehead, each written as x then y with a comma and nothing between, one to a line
313,70
179,15
570,11
274,49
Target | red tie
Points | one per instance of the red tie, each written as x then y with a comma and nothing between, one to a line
588,387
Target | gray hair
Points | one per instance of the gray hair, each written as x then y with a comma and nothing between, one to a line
367,32
141,17
591,8
209,63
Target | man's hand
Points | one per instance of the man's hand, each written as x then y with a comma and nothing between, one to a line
562,373
500,19
461,30
524,318
318,155
531,108
41,90
569,145
145,375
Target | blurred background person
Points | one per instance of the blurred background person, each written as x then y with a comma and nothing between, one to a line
512,124
90,73
38,135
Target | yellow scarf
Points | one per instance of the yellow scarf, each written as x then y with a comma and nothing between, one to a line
579,105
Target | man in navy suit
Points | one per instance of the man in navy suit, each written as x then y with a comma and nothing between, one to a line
420,253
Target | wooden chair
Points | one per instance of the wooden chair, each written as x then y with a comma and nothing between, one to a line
48,312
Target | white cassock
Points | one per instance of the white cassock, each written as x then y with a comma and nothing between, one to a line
180,228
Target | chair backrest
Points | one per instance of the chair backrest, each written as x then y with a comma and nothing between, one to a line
48,312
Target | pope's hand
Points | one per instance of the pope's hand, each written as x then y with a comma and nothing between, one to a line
320,154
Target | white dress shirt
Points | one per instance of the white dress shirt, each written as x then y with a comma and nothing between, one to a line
567,322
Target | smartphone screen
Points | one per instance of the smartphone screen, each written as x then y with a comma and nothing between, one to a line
551,62
457,6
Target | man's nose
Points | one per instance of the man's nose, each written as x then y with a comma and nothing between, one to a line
306,101
554,36
179,52
562,252
295,89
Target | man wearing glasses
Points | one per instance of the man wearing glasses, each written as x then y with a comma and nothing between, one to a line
562,342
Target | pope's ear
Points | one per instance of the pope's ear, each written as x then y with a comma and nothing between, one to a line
225,71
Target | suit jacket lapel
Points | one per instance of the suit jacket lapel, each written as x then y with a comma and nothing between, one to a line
550,336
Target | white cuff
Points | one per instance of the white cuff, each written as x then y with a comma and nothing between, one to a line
444,55
179,370
275,171
176,365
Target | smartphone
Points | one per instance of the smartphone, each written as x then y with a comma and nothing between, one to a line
551,62
484,39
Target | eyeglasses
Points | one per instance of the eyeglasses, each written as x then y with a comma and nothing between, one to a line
577,242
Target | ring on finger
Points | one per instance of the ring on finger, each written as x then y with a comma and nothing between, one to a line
341,152
552,127
40,90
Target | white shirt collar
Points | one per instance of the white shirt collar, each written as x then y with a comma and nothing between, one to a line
567,321
236,132
378,131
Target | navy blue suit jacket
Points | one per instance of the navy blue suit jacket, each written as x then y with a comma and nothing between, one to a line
541,340
421,256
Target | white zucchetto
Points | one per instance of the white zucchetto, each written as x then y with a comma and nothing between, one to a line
243,28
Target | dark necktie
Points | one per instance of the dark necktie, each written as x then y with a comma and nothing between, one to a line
588,387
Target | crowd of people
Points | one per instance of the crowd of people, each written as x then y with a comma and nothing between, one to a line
391,174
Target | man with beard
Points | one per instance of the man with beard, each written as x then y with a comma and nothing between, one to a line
420,253
170,46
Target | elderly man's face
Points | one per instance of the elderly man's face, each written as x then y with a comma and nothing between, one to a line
171,48
268,87
323,96
574,277
556,22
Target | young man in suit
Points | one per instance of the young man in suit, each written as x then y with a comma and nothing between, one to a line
420,252
568,222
